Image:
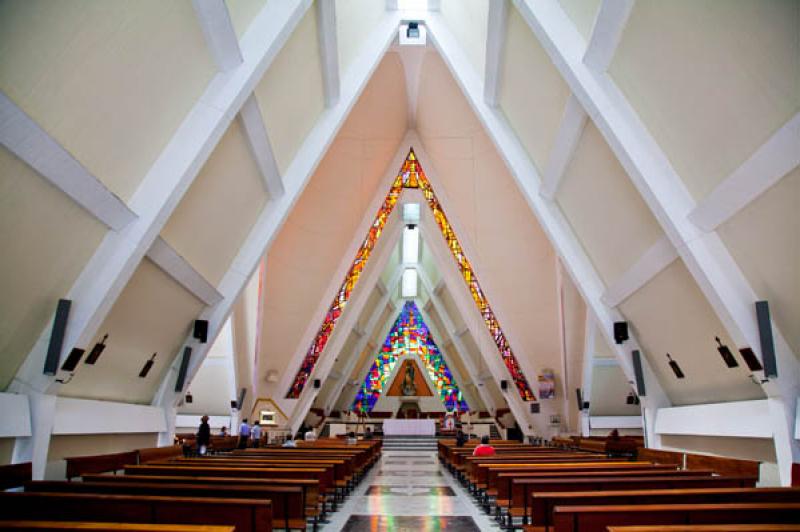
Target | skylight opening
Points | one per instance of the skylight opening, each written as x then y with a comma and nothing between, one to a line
410,245
412,5
409,285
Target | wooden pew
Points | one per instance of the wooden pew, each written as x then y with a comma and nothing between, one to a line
247,515
524,487
44,526
707,528
153,454
309,487
598,518
288,506
15,475
543,503
83,465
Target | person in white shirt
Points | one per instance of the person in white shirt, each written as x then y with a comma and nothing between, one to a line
255,434
289,442
310,435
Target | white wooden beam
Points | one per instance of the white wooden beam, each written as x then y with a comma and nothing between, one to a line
607,33
258,140
116,259
712,266
569,133
656,258
215,21
766,167
177,267
328,49
589,337
550,217
24,138
495,45
297,175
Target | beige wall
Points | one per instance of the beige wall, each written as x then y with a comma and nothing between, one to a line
91,444
110,81
242,13
709,77
290,94
582,13
468,20
355,19
46,241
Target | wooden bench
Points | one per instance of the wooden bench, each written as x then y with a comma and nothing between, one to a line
15,475
543,503
309,487
288,505
246,515
83,465
152,454
598,518
524,487
108,527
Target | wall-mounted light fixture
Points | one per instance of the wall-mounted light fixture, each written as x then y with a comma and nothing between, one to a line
676,369
147,366
96,351
726,354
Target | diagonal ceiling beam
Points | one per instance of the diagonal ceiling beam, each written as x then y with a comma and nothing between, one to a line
119,254
328,49
495,43
704,254
275,212
654,260
569,133
30,143
550,217
609,25
169,260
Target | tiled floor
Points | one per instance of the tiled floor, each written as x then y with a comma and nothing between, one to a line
409,491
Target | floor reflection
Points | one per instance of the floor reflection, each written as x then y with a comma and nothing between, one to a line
427,523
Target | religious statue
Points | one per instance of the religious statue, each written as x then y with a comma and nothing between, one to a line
409,388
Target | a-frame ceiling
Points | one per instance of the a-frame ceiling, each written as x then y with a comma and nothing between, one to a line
145,179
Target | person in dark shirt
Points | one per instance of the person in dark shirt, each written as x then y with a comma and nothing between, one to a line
203,436
461,438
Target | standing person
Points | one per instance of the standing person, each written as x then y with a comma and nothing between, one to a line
461,438
484,449
244,434
203,436
255,434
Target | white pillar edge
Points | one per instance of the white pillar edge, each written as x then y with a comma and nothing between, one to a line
609,24
770,163
260,146
33,145
221,39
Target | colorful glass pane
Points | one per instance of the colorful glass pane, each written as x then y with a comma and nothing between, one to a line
409,334
411,176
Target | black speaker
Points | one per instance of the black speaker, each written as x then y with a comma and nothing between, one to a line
535,408
750,358
189,399
638,373
726,354
504,385
234,405
201,330
72,360
586,405
96,351
620,331
240,402
187,355
147,366
317,384
676,369
580,398
767,343
57,337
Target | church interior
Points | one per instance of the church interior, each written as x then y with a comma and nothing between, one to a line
400,264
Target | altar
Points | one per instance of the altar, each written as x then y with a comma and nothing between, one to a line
409,427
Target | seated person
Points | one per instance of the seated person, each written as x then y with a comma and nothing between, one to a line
310,435
461,438
289,442
351,438
484,449
368,434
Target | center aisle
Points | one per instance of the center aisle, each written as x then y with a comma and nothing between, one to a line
410,491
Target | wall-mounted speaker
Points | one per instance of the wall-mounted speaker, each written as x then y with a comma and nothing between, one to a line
767,343
201,330
586,405
504,385
535,408
638,373
240,402
750,358
148,365
620,331
726,354
96,351
580,398
189,399
234,405
187,355
57,337
72,360
317,384
676,369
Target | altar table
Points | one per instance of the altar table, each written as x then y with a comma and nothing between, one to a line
409,427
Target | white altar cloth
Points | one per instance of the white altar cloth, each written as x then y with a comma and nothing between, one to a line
409,427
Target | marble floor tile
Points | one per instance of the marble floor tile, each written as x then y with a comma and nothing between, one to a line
381,523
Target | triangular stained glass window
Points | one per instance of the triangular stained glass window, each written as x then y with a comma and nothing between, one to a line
411,176
409,334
